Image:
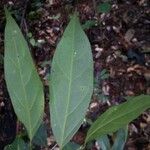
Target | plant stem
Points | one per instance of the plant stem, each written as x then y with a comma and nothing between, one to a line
94,5
30,145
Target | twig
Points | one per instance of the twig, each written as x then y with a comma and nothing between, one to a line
17,127
23,14
24,26
30,145
54,147
94,5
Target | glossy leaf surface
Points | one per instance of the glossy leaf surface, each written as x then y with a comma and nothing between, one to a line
23,83
71,82
118,116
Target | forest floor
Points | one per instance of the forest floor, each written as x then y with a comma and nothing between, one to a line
121,53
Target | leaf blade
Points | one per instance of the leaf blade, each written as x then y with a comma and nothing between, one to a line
72,59
104,143
18,144
40,137
118,116
23,83
121,137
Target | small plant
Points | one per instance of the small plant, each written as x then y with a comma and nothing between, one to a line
104,7
71,88
119,140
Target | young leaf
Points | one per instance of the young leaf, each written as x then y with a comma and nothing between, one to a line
18,144
88,24
118,116
23,83
104,143
121,138
71,82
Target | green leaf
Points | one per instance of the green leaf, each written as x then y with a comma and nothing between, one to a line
18,144
40,137
104,143
118,116
88,24
71,146
23,83
104,7
121,138
103,72
32,41
71,82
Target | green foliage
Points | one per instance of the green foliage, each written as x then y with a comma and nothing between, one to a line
23,82
119,141
118,116
71,82
121,137
71,87
104,74
104,143
18,144
88,24
40,137
31,39
71,146
104,7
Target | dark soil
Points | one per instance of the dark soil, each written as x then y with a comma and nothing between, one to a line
120,44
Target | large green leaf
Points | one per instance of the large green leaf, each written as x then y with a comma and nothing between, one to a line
23,83
71,82
118,116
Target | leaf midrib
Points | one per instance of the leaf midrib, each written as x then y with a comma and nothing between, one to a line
69,92
24,91
109,122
